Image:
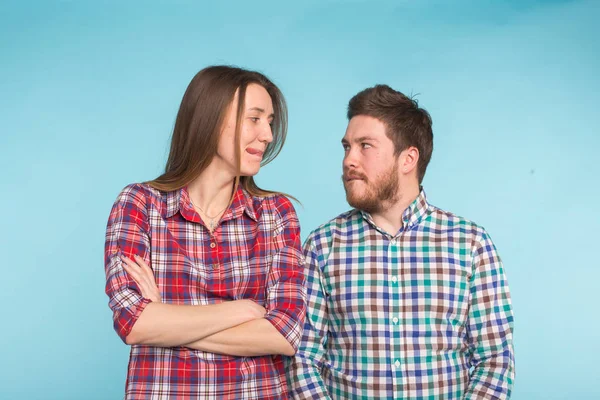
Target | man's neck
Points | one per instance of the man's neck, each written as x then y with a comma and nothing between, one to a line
389,218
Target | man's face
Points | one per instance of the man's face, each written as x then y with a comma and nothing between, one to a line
371,174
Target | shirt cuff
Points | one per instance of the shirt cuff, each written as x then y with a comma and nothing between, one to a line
125,318
286,326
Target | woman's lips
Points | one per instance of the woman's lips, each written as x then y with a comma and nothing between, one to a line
255,152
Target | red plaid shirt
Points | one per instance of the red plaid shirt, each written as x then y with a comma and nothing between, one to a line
254,253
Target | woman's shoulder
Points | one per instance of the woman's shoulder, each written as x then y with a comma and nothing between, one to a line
140,193
277,204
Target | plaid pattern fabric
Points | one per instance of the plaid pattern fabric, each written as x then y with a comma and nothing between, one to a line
254,253
424,314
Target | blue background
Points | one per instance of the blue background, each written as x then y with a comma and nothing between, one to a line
88,97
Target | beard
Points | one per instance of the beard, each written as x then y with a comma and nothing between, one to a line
376,193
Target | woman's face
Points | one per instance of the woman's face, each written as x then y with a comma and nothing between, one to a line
255,132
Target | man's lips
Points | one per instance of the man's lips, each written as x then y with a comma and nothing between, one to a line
353,177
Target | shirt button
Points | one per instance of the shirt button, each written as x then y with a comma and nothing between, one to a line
213,245
215,266
395,319
397,364
394,279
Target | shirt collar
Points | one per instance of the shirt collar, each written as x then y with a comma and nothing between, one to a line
417,210
242,201
179,201
413,214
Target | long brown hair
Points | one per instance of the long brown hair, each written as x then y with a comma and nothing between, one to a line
200,119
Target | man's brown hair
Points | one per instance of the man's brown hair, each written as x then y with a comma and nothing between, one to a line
406,123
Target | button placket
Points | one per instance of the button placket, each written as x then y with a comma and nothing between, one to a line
395,308
214,255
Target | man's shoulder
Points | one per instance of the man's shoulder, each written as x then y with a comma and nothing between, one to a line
442,219
339,225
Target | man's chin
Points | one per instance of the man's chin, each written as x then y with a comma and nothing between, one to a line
353,188
355,201
363,203
351,195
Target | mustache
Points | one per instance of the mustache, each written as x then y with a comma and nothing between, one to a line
353,175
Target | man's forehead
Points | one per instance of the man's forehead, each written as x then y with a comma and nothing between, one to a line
360,137
364,131
365,124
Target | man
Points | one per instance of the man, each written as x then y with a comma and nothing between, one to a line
405,301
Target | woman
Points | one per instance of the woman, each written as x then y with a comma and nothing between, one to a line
203,267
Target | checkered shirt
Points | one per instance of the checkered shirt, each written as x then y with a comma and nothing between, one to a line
254,253
423,314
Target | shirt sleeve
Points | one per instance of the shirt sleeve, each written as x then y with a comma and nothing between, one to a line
126,234
286,294
490,326
304,369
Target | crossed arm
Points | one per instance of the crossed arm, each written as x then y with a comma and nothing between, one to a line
237,328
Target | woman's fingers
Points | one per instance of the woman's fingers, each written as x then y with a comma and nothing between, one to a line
150,281
137,274
146,270
132,269
143,275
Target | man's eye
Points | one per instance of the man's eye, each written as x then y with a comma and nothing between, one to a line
366,145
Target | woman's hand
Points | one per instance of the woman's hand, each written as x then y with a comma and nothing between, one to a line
142,274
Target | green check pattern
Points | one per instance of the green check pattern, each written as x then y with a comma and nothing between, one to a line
423,314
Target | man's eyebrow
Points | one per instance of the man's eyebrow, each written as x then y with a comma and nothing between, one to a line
366,138
360,139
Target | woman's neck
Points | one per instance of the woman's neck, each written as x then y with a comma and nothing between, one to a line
211,191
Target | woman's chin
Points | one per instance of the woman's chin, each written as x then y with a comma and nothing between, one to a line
249,171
